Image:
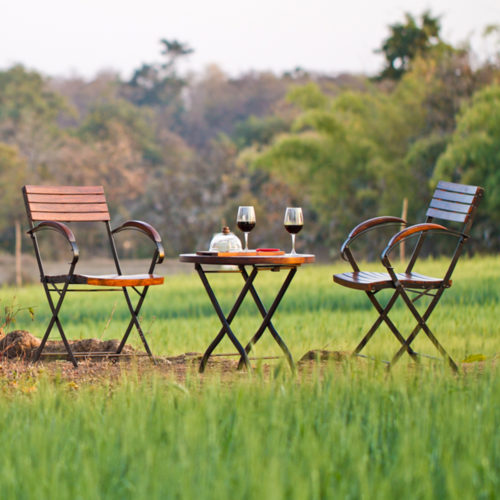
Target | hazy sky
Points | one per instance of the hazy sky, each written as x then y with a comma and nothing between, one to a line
82,37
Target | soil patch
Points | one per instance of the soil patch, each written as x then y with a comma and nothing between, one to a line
17,349
22,344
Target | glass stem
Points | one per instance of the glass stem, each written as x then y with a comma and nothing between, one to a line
246,242
293,244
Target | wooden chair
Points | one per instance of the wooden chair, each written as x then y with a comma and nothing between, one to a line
452,203
50,207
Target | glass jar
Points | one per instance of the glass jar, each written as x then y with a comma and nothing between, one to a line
225,241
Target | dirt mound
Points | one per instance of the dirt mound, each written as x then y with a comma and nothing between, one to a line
22,344
18,344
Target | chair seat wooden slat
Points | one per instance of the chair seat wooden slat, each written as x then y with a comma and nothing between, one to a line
451,216
365,280
113,280
55,190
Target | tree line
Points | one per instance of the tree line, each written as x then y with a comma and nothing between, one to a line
182,151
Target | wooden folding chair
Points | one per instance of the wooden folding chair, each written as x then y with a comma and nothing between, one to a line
451,202
50,207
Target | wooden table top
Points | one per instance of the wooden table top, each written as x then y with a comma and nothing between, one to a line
277,260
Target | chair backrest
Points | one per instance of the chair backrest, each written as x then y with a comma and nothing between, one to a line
454,202
66,203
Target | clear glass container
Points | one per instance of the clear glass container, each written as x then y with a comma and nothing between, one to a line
225,241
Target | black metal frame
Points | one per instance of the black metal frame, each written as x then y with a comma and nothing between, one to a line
401,290
63,229
266,314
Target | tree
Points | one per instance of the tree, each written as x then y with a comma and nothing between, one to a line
473,156
217,103
407,41
344,156
158,84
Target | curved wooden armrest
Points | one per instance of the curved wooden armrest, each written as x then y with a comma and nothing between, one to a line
366,226
410,231
61,229
146,229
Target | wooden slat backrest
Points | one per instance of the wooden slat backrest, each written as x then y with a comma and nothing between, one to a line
66,203
454,202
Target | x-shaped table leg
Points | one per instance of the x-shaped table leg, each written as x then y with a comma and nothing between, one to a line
267,315
226,329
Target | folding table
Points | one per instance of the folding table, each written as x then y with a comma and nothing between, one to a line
248,266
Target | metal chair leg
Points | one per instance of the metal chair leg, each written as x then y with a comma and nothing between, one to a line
134,321
422,325
383,316
55,319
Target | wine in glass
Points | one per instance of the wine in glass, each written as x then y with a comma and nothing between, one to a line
246,221
294,220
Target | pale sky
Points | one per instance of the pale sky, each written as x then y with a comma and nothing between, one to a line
83,37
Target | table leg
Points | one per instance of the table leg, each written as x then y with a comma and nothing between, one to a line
267,315
226,329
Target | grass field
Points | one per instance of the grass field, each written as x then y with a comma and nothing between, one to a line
343,430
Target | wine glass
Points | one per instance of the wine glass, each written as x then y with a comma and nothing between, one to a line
246,221
294,220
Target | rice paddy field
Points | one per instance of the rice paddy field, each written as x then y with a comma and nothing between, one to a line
338,429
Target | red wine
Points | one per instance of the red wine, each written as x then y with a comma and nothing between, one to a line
293,228
245,226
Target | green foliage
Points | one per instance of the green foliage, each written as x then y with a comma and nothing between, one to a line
108,119
346,155
308,96
255,130
420,162
473,154
25,94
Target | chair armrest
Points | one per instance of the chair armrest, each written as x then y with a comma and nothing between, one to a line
410,231
146,229
367,225
61,229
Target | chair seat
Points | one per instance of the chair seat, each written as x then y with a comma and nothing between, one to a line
109,279
363,280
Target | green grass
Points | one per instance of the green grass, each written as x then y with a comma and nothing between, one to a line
315,313
351,431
